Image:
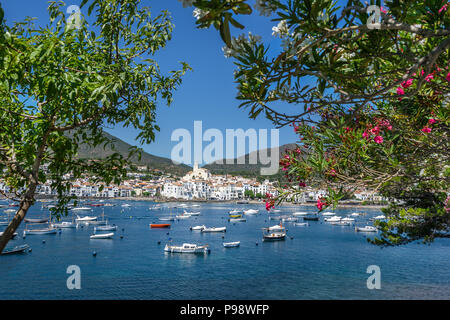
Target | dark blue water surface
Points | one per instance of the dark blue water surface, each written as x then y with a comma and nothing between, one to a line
322,261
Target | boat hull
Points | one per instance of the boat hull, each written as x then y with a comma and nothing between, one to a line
159,225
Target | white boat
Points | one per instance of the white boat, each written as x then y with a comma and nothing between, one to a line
191,213
234,211
167,219
251,211
187,248
366,229
328,213
64,224
10,211
301,224
13,236
16,249
183,216
333,219
102,236
237,220
347,219
274,233
356,214
275,227
290,219
231,244
81,209
299,213
276,210
126,205
198,228
215,229
85,219
379,217
105,228
48,230
341,223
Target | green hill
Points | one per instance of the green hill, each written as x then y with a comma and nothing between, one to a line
121,147
246,169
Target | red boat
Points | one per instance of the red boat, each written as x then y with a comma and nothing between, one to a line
160,225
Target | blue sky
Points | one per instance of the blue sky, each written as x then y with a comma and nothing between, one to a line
207,93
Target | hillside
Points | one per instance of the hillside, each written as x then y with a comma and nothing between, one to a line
120,146
244,169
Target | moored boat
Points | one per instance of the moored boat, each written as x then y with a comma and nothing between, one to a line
105,228
232,244
187,248
16,249
311,217
237,220
102,236
159,225
198,228
215,229
251,211
366,229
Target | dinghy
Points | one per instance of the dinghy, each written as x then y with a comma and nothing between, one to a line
251,211
215,229
105,228
366,229
16,249
102,236
198,228
159,225
231,244
187,248
237,220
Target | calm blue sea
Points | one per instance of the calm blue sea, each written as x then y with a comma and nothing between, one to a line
321,261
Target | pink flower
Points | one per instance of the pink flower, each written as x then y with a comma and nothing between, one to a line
429,77
383,10
426,130
302,184
365,134
407,83
320,204
400,91
378,139
443,8
448,77
431,121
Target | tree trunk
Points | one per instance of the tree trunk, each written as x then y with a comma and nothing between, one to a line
25,204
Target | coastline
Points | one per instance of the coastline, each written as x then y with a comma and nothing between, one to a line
160,200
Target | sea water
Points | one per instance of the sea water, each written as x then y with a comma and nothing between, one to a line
320,261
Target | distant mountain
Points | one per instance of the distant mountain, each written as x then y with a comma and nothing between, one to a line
120,146
245,169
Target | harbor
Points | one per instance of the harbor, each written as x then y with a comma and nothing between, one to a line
314,260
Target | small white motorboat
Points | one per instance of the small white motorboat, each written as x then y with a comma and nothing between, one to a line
85,219
341,223
49,230
182,216
232,244
328,213
347,219
167,219
234,211
64,224
10,211
366,229
301,224
102,236
187,248
275,227
299,213
356,214
199,228
81,209
105,228
251,211
191,213
290,219
333,219
379,217
126,205
215,229
237,219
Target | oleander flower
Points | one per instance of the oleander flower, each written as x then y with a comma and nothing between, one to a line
431,121
400,91
378,139
426,129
